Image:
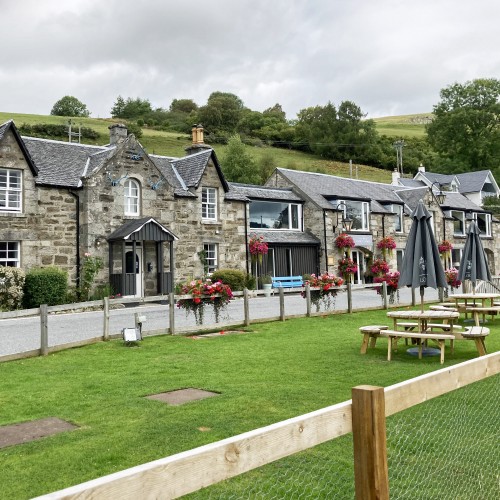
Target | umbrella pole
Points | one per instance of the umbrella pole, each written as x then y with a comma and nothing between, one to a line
422,299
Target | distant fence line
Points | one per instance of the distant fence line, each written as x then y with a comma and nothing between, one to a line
106,304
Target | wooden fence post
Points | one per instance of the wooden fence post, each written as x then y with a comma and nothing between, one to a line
171,313
282,304
384,295
308,300
44,330
105,308
246,306
349,297
371,476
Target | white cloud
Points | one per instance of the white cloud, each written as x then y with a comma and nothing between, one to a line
388,56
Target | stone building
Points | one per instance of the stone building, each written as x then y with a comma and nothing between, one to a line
156,220
152,219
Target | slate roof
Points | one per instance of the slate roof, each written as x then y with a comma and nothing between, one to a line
319,188
469,182
287,237
250,191
135,225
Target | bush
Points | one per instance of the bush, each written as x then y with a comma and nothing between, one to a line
237,280
11,288
48,285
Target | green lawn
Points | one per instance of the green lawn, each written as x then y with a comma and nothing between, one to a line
276,371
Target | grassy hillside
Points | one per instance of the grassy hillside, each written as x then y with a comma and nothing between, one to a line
173,144
404,125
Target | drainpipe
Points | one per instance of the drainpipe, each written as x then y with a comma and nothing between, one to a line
383,225
77,199
324,234
246,238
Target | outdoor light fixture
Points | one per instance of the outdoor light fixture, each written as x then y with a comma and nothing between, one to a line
345,221
440,196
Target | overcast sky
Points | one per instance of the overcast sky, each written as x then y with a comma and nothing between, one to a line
390,57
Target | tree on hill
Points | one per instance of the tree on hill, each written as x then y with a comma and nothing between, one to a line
238,165
69,106
183,106
221,114
465,129
131,109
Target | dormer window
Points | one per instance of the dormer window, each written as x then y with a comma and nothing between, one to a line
358,212
458,222
483,223
132,197
10,190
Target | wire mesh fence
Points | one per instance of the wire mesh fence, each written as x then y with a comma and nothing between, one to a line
445,448
448,448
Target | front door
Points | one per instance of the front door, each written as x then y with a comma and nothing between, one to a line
359,258
133,267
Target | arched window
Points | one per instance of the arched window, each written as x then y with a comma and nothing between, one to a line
132,195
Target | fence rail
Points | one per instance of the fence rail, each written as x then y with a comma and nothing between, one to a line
189,471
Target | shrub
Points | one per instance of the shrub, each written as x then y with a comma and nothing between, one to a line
48,285
11,288
236,279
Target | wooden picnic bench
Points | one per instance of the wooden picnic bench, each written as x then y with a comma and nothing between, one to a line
287,281
477,333
370,333
394,335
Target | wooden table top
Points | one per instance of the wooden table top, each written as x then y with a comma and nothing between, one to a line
463,296
423,314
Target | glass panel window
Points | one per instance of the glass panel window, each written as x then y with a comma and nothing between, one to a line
132,194
10,190
456,257
9,254
209,203
398,210
359,212
275,215
483,223
210,250
458,222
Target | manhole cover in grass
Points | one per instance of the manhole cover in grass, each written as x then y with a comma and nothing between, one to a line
29,431
182,396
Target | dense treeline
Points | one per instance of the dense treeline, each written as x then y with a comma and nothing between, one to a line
464,134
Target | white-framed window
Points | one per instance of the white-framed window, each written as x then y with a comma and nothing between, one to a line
275,215
10,190
211,264
358,211
209,203
458,222
132,191
483,223
398,223
456,257
10,254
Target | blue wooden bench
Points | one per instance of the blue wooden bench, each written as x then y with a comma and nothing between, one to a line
287,281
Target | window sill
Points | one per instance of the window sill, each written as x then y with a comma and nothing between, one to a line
12,214
210,222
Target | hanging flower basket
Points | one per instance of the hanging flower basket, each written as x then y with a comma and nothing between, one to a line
327,285
386,244
343,240
258,247
392,279
204,293
347,267
445,247
379,267
452,278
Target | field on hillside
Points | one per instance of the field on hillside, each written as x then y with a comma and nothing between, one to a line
404,125
173,144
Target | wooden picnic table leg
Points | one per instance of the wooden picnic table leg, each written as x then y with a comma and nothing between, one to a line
373,341
441,347
480,345
476,318
364,344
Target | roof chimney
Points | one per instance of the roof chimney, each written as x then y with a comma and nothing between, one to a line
395,177
117,133
421,168
198,143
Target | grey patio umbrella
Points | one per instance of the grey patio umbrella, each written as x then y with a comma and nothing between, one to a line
421,265
473,265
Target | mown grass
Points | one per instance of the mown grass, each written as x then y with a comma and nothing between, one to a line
403,126
273,372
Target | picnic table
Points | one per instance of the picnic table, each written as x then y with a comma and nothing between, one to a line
477,303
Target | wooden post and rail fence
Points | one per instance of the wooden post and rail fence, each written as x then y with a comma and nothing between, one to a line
44,312
364,416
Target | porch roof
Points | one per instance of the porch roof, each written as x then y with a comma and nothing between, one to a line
146,229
